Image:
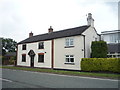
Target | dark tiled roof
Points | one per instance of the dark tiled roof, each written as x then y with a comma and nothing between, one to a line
57,34
114,47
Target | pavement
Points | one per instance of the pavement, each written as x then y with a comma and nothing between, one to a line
28,79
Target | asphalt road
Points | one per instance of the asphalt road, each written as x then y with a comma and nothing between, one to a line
28,79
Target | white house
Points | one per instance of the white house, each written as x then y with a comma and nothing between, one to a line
58,50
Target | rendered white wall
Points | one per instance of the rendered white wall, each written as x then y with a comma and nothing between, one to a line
60,51
34,47
47,55
19,57
90,35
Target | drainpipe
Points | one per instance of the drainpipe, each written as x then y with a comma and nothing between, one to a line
16,56
52,57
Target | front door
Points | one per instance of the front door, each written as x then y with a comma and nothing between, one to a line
32,61
31,53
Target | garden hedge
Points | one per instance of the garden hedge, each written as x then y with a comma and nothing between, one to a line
100,64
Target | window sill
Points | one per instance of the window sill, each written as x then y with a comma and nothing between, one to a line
40,48
69,46
40,62
70,63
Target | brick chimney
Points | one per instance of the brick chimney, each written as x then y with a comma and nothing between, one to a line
30,34
50,30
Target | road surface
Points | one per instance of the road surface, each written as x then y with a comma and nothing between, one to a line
29,79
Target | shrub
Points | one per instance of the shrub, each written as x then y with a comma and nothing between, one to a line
100,64
12,60
99,49
3,58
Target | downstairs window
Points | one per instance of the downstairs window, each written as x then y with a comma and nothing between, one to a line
69,59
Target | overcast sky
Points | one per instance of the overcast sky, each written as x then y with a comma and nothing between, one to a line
19,17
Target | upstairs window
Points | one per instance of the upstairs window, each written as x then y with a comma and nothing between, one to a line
23,57
69,58
69,42
41,45
41,57
24,47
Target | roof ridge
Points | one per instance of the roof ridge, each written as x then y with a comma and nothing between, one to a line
71,28
62,30
57,34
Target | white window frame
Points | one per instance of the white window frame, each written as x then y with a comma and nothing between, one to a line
42,44
24,47
69,42
68,58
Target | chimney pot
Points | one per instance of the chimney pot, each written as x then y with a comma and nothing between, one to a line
30,34
50,29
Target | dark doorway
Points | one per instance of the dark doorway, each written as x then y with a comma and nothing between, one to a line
32,61
32,55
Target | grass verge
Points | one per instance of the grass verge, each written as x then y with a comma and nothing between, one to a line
75,73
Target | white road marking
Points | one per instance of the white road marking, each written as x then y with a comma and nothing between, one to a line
5,80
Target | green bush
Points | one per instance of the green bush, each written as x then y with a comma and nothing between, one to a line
99,49
3,58
101,64
12,60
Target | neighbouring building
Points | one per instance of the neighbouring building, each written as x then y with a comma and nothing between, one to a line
7,57
58,50
113,41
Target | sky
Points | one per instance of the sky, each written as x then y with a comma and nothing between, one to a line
19,17
119,15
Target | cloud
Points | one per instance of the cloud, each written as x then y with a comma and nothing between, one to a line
11,21
119,15
19,17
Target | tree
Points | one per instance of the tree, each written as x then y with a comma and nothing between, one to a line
99,49
8,45
3,52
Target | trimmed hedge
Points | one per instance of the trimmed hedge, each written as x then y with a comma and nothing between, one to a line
101,64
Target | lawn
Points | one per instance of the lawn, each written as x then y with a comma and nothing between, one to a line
76,73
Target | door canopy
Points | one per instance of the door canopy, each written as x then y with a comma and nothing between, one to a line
31,53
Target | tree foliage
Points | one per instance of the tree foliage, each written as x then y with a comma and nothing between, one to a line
99,49
8,45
